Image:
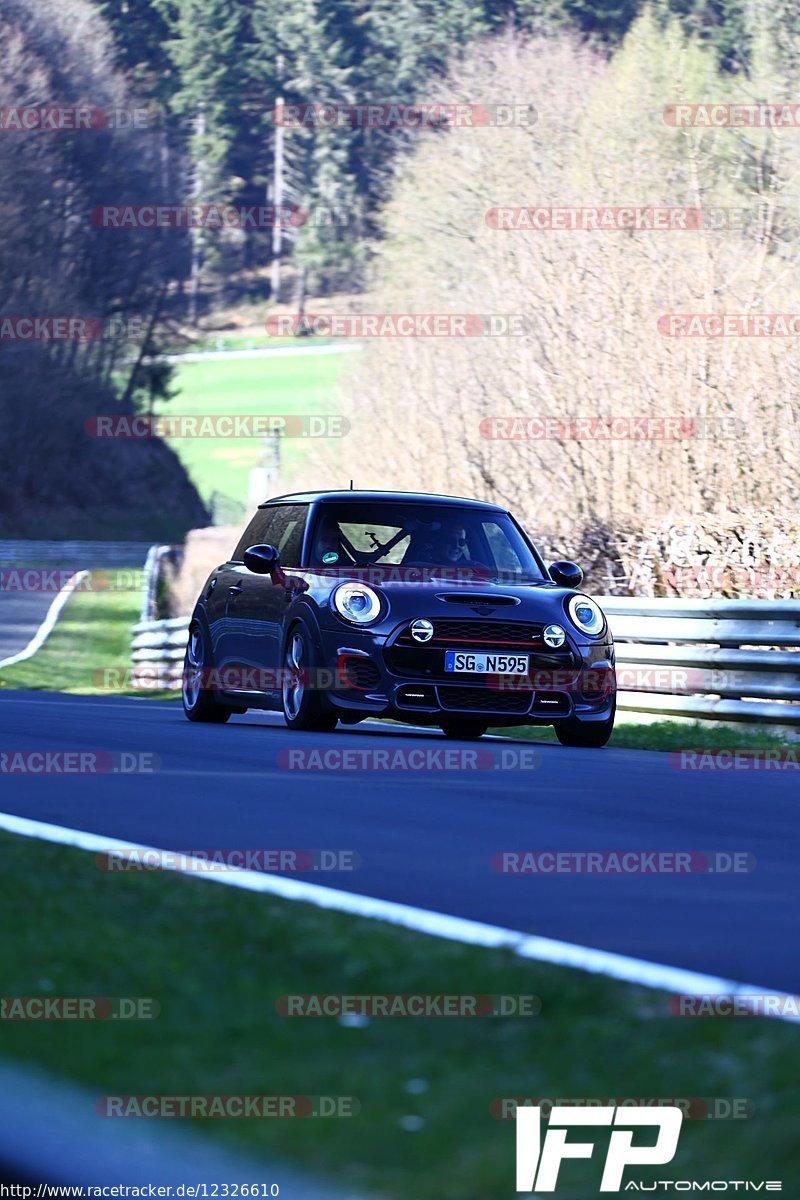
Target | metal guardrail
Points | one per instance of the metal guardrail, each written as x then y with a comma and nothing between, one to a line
84,554
727,660
152,568
157,652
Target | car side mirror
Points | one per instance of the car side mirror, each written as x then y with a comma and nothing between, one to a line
566,574
261,560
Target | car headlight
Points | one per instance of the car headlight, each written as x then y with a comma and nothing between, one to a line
587,615
357,603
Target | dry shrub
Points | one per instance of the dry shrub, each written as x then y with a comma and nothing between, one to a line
591,303
204,550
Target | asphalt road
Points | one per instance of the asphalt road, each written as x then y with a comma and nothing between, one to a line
25,601
426,837
22,614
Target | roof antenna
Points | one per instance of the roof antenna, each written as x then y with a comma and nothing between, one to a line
351,485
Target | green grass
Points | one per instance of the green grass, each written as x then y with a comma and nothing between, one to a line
247,341
672,735
216,959
93,633
291,385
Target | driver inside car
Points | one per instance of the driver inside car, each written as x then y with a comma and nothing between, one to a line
451,546
448,548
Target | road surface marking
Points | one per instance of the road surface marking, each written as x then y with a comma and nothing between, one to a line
454,929
48,624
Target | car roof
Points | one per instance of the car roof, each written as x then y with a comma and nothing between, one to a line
377,497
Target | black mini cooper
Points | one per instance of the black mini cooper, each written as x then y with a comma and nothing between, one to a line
337,606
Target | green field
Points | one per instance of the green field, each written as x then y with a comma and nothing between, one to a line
301,385
243,341
216,959
93,635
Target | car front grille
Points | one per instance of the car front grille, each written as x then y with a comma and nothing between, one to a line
359,673
425,660
481,699
521,635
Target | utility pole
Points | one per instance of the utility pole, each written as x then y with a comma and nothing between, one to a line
277,195
263,478
196,235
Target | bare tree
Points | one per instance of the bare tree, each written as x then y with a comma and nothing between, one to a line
592,351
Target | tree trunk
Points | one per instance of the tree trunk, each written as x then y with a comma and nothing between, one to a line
277,198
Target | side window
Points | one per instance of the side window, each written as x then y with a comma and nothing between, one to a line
286,532
255,534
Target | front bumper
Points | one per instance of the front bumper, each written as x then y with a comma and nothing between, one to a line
577,682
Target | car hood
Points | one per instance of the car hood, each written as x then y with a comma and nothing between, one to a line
425,581
457,600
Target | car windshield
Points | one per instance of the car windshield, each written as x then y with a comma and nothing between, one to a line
456,542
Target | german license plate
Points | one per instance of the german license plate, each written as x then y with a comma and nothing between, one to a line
491,663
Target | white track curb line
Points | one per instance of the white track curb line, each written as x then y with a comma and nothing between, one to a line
149,581
454,929
48,624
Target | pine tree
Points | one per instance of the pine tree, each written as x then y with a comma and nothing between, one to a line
140,32
208,44
312,68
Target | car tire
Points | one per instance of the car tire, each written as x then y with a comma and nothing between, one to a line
463,730
302,706
573,732
199,703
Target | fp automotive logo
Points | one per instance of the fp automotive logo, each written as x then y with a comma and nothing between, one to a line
537,1164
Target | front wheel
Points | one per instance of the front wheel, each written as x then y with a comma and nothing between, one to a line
198,699
302,703
573,732
464,731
